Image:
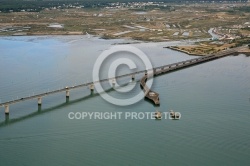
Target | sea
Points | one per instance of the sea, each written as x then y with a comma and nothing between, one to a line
213,99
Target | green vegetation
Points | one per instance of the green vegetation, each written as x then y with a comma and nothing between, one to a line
241,42
36,6
244,9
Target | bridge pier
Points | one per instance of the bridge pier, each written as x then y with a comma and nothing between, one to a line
133,77
67,96
67,93
39,100
113,82
92,87
7,109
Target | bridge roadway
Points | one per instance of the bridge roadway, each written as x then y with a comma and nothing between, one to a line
156,71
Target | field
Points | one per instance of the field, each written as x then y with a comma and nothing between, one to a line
172,22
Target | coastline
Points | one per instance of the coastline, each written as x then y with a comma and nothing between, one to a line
184,51
245,51
133,41
106,37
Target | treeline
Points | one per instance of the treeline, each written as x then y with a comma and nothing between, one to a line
38,5
141,0
242,42
244,9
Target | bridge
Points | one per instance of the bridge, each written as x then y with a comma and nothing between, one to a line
153,96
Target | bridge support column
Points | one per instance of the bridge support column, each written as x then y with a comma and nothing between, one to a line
7,109
92,87
67,96
67,93
113,83
39,100
133,77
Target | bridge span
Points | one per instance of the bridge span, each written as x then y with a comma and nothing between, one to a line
148,93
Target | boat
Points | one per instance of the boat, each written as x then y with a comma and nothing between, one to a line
175,115
157,115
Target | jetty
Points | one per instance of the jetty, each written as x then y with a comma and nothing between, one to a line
149,94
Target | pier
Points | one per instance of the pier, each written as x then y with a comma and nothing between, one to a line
149,94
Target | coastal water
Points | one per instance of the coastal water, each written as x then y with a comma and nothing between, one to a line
213,98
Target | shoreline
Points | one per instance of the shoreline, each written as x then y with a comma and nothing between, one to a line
244,51
101,37
183,51
97,36
174,48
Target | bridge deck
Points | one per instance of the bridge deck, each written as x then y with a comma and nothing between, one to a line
157,71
